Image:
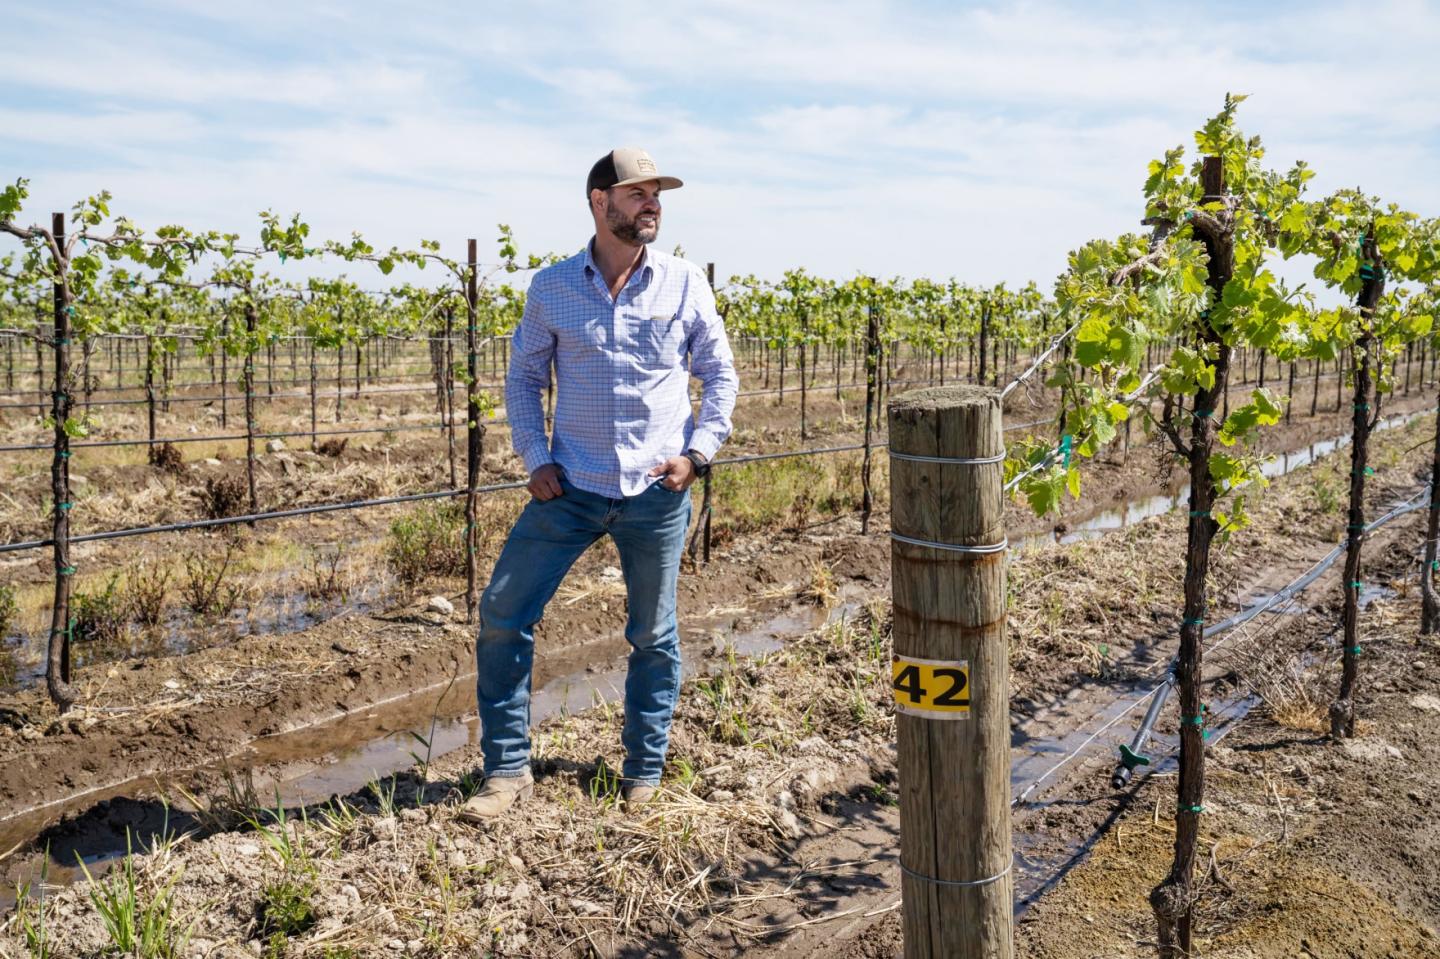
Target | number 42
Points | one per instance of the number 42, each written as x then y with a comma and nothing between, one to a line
909,681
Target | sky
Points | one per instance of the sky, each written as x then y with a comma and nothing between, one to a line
944,139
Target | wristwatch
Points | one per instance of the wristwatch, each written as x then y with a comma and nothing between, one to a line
701,464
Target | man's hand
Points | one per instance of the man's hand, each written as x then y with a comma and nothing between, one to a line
677,472
545,482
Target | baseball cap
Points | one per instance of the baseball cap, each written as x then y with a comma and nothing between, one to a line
624,166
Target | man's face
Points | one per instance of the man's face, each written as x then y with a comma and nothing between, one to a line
632,213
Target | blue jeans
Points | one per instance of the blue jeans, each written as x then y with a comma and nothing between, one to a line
649,532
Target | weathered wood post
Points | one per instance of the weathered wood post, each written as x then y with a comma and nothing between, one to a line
951,672
474,433
872,363
247,377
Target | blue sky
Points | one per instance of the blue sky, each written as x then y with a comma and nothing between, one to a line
981,141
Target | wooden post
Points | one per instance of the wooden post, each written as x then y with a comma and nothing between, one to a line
448,358
41,337
311,341
951,672
1289,393
705,506
706,513
150,392
474,433
804,336
247,374
984,333
872,337
225,368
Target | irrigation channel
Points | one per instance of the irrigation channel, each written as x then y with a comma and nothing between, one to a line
1050,750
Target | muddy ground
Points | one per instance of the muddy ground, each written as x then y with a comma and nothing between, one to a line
144,716
1308,848
778,830
279,568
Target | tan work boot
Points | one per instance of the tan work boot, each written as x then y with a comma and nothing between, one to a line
497,795
637,795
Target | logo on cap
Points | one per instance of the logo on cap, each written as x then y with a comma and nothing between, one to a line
645,164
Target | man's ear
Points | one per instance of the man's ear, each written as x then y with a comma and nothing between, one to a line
594,202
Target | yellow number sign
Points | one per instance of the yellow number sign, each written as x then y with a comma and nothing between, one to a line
931,688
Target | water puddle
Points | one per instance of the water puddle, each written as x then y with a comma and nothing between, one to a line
22,657
344,755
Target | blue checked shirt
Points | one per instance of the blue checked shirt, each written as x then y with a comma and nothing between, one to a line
622,381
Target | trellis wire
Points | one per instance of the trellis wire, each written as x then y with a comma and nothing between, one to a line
1036,363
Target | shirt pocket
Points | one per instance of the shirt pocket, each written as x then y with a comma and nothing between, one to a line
585,335
658,340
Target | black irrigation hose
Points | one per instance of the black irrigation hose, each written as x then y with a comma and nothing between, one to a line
252,517
238,399
235,437
1276,600
363,504
423,375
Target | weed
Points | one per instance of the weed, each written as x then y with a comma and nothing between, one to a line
9,607
430,541
860,709
146,590
730,725
469,784
137,927
323,581
224,812
337,818
285,910
1292,703
286,843
605,785
205,590
98,617
421,761
822,589
384,797
224,496
1327,491
31,914
757,496
167,458
686,775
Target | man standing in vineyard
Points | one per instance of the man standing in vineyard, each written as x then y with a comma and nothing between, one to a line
618,321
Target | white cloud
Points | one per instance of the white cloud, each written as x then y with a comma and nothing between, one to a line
983,142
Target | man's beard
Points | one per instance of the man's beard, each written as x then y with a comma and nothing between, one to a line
628,229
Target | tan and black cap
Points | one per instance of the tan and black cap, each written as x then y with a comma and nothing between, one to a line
624,166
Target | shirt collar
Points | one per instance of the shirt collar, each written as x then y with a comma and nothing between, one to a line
646,271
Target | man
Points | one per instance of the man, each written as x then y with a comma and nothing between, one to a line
618,321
